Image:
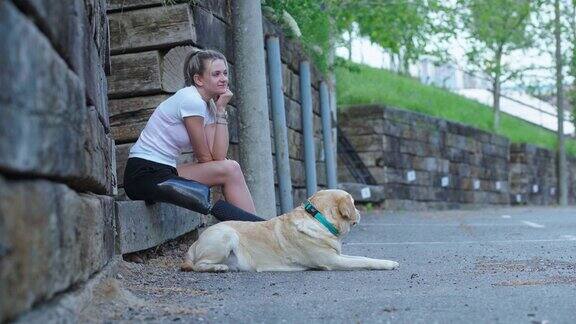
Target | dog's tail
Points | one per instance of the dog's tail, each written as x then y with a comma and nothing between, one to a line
188,264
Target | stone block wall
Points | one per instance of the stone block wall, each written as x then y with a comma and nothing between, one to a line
571,180
427,162
143,32
57,167
534,176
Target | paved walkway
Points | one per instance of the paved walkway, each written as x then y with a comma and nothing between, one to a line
515,265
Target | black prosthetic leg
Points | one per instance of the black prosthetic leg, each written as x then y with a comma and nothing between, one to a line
185,193
195,196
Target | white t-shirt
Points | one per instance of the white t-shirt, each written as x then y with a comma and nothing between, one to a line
165,137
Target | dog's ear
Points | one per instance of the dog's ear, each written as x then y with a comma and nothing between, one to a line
346,207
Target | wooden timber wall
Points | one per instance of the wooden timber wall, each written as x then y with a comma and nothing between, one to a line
143,32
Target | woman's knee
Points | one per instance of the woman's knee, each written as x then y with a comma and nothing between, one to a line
231,168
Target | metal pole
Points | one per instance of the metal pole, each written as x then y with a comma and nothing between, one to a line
279,121
326,116
308,128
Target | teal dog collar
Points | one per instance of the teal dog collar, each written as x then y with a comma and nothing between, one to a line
319,217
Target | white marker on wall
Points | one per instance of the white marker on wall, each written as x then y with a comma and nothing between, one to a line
411,175
445,181
535,188
476,184
365,193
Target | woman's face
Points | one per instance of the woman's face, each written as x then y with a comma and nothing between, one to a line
215,79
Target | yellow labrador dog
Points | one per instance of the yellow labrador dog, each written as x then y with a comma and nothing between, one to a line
308,237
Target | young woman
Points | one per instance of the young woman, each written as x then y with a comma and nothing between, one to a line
194,118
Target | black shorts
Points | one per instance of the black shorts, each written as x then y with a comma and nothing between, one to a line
141,178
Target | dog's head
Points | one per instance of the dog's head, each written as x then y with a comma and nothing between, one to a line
338,206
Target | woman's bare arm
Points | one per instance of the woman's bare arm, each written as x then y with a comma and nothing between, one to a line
220,141
209,131
195,128
217,133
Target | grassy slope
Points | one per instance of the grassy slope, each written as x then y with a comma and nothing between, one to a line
370,85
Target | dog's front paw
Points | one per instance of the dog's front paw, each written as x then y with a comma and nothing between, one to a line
220,268
187,266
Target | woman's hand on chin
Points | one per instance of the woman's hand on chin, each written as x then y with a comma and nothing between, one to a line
223,99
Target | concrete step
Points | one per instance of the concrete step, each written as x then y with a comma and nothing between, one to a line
141,226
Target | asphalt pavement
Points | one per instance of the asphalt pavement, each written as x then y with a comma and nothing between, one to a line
513,265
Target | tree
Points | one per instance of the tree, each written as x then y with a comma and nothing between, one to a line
496,28
311,18
556,22
562,181
402,27
405,28
572,65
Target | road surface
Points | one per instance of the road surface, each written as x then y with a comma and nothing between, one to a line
513,265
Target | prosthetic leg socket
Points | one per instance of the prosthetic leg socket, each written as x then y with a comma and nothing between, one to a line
195,196
185,193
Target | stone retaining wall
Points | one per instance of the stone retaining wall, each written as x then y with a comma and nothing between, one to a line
534,176
143,33
427,162
57,167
